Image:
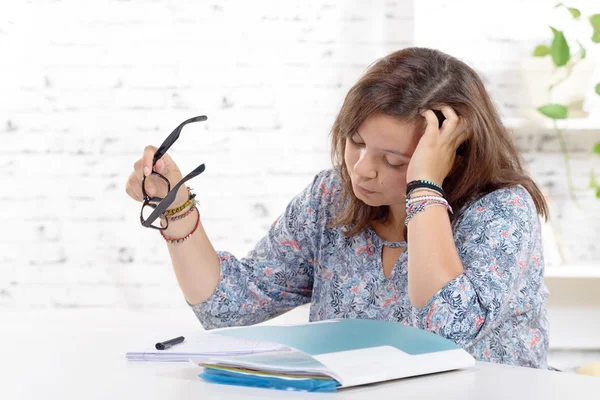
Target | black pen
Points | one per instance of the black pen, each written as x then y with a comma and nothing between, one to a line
165,345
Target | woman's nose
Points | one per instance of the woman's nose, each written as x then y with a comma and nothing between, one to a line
364,166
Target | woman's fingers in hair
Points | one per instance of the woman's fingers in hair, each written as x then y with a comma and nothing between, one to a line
455,125
451,121
431,118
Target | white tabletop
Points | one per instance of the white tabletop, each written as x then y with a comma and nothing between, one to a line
80,354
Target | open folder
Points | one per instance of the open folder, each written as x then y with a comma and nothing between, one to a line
348,352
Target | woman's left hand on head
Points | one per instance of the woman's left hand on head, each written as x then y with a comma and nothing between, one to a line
434,156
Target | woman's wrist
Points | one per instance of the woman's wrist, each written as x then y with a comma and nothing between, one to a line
183,205
180,226
184,195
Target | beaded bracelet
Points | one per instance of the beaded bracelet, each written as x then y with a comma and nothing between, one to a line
183,239
185,214
183,207
422,198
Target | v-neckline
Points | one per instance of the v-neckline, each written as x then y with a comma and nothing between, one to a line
384,242
379,243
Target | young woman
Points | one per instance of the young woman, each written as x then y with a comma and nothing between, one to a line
401,229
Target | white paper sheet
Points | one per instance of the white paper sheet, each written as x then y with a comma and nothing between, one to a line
200,345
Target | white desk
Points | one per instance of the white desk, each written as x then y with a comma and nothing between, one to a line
77,354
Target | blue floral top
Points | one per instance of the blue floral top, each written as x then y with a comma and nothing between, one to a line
495,309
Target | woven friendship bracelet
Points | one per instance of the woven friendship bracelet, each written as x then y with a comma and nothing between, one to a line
413,210
185,214
419,206
428,200
183,207
174,211
183,239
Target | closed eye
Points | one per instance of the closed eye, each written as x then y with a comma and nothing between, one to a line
393,165
356,142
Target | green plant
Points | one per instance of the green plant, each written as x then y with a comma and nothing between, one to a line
560,52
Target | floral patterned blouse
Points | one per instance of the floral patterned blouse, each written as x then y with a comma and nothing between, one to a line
495,310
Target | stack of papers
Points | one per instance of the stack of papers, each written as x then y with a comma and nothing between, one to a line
290,370
335,354
317,357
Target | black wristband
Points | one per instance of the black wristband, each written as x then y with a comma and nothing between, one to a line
412,186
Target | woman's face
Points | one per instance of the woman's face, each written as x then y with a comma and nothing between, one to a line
377,157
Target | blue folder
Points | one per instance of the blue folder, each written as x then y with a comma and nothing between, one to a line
350,351
347,334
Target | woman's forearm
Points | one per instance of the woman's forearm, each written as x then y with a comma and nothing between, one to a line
195,261
433,259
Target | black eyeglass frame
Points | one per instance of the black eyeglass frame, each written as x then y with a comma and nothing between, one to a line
164,202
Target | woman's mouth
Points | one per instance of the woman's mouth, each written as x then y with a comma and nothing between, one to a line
362,190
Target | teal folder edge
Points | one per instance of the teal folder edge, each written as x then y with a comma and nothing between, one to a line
347,334
238,379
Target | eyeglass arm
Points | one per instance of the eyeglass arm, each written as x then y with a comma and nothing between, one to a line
166,145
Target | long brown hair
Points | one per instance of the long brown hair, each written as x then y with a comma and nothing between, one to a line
403,84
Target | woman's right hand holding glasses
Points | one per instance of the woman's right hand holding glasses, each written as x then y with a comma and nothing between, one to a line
154,185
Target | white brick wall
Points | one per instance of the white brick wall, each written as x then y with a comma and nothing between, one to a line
86,85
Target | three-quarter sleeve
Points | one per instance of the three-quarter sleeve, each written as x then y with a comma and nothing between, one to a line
498,240
276,276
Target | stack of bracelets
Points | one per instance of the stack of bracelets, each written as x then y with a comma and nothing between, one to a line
173,215
418,204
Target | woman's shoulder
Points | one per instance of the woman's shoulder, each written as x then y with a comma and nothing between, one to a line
324,191
508,203
326,183
500,225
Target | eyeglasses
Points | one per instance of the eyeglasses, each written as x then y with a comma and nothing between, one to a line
151,211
